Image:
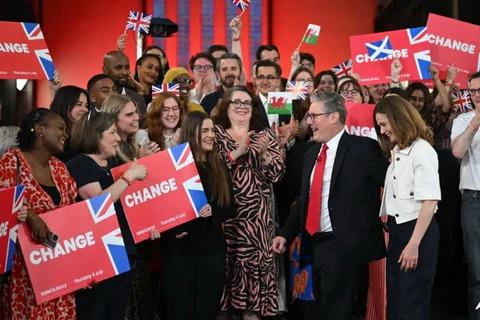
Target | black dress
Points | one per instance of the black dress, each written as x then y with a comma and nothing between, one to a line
194,266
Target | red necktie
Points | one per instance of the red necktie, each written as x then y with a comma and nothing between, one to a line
315,201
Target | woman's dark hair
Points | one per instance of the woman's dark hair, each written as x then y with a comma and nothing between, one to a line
319,76
425,112
299,70
405,122
224,103
398,91
88,132
142,59
166,67
65,99
191,133
27,136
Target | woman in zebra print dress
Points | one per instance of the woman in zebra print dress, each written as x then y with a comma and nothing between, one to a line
255,162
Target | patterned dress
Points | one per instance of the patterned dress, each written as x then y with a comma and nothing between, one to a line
17,300
252,270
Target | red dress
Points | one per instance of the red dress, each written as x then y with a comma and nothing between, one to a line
17,300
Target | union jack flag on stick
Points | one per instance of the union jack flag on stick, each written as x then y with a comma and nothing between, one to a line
242,5
138,21
299,89
166,87
461,101
343,69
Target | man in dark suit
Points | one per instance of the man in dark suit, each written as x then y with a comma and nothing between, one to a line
337,212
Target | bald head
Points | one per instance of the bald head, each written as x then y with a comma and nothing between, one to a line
117,66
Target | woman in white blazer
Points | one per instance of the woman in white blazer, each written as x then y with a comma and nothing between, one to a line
412,190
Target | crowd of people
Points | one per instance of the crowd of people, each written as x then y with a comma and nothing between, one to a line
297,207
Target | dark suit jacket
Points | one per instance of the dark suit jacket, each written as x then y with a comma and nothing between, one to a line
354,202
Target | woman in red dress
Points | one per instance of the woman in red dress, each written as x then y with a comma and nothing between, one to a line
48,186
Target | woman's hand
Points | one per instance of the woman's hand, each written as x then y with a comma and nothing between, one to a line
206,211
263,143
22,214
181,235
136,172
409,258
38,227
150,148
154,234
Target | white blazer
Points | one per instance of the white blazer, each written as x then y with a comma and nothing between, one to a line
411,178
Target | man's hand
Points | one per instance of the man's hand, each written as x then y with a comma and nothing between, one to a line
279,245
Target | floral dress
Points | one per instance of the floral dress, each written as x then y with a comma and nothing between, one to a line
253,279
17,300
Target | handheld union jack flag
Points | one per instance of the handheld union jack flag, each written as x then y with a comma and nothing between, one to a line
461,101
343,69
165,87
138,21
241,4
299,89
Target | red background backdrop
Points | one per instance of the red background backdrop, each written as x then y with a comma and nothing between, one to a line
78,34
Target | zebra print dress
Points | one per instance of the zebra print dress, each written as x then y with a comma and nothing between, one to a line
252,281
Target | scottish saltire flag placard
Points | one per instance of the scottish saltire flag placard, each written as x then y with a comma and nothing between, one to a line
138,21
172,193
372,55
23,52
11,200
299,89
279,103
90,249
454,41
312,33
462,101
343,69
165,87
241,4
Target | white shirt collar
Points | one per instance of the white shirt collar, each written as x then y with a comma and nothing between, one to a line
124,91
333,143
262,98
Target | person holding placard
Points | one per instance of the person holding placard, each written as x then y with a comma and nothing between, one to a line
194,253
48,186
97,139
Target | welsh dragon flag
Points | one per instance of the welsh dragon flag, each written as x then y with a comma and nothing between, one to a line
311,35
279,103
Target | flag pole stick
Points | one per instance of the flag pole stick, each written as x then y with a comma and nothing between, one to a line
240,14
298,48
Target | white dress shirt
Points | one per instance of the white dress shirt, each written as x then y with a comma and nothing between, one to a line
470,167
325,225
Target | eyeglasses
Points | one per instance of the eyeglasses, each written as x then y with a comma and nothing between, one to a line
237,104
184,81
268,78
473,91
202,68
313,116
166,110
347,92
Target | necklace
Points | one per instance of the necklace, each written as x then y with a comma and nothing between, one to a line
100,162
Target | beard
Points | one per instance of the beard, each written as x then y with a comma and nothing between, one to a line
229,81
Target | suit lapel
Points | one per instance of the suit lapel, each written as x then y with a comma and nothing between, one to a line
339,156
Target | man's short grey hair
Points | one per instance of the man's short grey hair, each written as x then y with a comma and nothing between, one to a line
229,55
8,138
333,102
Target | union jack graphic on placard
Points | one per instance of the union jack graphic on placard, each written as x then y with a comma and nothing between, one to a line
165,87
101,207
241,4
379,49
343,69
422,58
34,34
138,21
12,200
182,157
299,89
115,248
462,101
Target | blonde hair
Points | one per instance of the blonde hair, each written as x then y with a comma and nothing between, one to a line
114,104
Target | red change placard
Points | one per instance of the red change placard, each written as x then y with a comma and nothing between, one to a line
360,119
171,194
11,200
90,249
23,52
